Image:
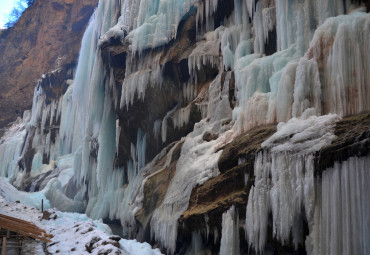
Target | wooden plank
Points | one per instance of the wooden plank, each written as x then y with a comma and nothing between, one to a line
7,218
7,222
24,228
11,222
3,250
12,227
34,236
15,219
29,233
15,222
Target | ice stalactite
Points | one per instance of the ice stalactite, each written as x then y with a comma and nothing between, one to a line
284,180
341,222
70,132
206,53
138,77
348,76
301,79
11,145
205,11
258,83
196,244
331,77
286,83
34,133
230,233
235,37
150,24
165,123
260,24
307,88
181,117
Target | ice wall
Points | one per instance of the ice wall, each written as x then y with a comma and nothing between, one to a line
320,66
284,181
150,24
341,221
197,164
11,145
303,72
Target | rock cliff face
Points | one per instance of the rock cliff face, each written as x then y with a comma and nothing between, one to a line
170,130
46,37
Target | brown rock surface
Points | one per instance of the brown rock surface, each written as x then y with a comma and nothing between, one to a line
47,37
353,139
219,193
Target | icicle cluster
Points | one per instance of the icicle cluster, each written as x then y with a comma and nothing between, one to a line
341,222
284,182
230,233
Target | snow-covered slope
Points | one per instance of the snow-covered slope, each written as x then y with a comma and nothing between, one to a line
73,233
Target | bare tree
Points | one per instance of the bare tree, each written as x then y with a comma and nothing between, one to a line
17,11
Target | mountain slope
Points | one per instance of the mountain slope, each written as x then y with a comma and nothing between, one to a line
46,37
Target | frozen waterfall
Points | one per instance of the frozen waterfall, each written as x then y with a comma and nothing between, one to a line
302,64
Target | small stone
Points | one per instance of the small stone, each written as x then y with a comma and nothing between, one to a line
115,238
45,215
208,136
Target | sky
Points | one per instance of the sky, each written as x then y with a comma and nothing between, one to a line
6,7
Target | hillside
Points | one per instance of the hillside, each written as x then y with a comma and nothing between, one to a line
46,37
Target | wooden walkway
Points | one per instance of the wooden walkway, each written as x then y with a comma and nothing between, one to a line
23,228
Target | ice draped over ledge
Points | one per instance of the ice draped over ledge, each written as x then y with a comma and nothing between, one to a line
303,64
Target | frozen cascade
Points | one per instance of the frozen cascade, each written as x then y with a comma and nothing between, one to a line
286,83
284,181
197,164
230,233
347,76
300,80
147,72
107,199
341,222
296,21
11,144
150,24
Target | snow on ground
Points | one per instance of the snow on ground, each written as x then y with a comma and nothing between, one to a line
73,233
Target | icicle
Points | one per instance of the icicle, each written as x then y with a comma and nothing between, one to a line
164,124
137,80
118,133
341,222
230,233
284,183
11,144
156,128
197,163
181,117
307,88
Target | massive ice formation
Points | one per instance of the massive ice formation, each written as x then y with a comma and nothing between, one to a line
240,64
